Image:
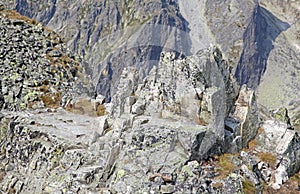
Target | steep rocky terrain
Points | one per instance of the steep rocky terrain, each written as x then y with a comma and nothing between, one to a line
122,33
160,136
168,112
260,39
280,83
37,70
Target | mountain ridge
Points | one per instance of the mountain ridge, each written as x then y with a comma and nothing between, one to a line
166,115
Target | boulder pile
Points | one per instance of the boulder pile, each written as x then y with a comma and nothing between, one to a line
37,70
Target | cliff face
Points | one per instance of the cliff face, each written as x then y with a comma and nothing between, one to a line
280,84
259,38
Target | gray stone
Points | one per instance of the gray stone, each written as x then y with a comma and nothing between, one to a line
246,113
138,108
279,140
2,7
167,188
283,143
281,175
102,125
156,125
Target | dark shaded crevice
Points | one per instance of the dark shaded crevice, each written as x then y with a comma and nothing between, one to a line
258,39
205,146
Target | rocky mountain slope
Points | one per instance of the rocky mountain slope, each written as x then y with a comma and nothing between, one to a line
169,112
161,136
259,38
123,33
37,70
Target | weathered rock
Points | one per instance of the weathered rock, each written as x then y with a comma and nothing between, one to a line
281,175
246,113
167,188
138,107
282,142
1,97
2,7
281,114
60,161
195,89
103,125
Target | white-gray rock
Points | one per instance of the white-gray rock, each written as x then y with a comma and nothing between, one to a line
246,113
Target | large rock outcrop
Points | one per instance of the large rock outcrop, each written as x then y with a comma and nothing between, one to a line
153,138
277,138
260,39
243,122
198,89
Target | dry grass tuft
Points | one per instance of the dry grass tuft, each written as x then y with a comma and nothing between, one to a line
296,178
101,111
260,130
248,187
252,145
218,185
51,100
85,106
11,14
267,157
200,121
226,165
44,88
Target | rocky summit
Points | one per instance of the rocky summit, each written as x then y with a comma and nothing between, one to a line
157,96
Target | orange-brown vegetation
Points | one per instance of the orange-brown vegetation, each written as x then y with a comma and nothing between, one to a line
225,164
11,14
251,145
101,111
260,130
200,121
84,106
51,100
267,157
218,185
44,88
248,187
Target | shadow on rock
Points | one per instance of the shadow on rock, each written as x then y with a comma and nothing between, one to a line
258,43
